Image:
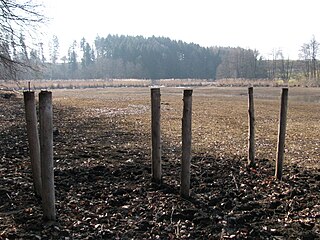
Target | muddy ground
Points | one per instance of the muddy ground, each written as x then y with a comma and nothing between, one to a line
102,170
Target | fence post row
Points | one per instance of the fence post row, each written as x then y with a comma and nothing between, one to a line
46,153
251,128
186,143
33,139
281,133
156,135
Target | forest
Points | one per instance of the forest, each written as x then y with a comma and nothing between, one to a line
138,57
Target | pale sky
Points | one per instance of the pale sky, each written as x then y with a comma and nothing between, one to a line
257,24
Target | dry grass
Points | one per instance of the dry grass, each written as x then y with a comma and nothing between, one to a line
219,118
100,83
239,82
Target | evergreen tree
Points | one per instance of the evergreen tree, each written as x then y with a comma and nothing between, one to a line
54,49
23,53
72,59
88,56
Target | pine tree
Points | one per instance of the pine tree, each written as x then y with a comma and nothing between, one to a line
72,59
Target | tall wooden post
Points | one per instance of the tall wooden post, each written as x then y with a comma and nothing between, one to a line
46,153
186,143
33,139
251,128
156,135
282,133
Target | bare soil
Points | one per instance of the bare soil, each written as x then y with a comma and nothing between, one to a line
102,168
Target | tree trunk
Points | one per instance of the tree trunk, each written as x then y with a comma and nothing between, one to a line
46,149
156,135
33,140
186,143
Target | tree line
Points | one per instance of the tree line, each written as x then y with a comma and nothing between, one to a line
116,56
134,57
139,57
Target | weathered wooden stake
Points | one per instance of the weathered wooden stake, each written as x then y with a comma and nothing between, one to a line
186,143
156,135
282,133
251,123
46,153
33,139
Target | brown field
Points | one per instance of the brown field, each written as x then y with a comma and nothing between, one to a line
102,167
219,118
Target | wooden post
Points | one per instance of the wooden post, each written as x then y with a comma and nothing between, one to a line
186,143
156,135
46,153
251,123
282,133
33,139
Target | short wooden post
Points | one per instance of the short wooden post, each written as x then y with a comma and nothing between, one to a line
46,153
281,133
186,143
33,139
156,135
251,123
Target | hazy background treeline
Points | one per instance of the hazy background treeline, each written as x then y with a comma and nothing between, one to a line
138,57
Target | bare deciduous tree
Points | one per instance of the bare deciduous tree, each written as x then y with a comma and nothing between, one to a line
17,18
286,67
309,53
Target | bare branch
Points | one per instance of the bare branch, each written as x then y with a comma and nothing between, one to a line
17,18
